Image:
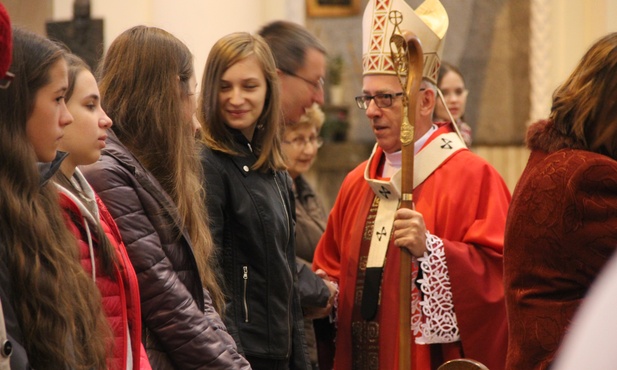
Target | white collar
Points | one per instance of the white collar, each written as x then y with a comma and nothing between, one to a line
394,161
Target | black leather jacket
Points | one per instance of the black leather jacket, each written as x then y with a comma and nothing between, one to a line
252,222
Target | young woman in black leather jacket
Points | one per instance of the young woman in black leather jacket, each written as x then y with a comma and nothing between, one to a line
250,202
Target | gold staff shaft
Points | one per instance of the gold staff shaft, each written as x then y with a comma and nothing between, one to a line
409,61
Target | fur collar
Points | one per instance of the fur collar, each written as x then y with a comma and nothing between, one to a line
543,136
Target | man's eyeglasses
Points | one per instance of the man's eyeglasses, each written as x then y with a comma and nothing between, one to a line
382,100
300,142
316,85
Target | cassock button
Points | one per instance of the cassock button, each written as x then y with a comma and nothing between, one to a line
246,168
7,348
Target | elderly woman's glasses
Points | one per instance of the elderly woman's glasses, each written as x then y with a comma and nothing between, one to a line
300,142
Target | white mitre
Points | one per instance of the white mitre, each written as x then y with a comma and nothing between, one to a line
382,17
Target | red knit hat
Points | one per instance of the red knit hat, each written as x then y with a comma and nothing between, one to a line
6,41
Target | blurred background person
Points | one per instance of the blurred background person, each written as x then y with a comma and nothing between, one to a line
452,85
562,224
102,252
150,179
250,201
52,307
300,144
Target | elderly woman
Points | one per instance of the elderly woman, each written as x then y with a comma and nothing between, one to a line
300,144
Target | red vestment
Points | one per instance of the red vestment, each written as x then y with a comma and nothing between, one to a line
464,202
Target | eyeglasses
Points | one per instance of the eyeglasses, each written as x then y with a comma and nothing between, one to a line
382,100
6,81
300,142
317,85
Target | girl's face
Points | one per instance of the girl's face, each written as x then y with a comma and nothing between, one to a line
45,126
300,148
191,105
242,95
455,95
85,138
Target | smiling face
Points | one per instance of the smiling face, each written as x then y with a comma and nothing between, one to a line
49,117
85,138
299,92
242,95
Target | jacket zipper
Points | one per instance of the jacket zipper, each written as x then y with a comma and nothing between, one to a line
245,277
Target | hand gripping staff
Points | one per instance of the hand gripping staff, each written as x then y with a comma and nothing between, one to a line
408,59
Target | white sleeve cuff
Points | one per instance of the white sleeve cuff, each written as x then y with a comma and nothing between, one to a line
433,319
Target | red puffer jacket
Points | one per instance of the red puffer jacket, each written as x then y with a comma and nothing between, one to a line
121,294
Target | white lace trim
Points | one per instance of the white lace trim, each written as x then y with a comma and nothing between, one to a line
334,313
432,313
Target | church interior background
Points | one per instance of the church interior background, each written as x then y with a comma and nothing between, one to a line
513,54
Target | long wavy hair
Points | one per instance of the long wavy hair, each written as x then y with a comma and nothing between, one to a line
144,85
105,251
226,52
584,107
58,306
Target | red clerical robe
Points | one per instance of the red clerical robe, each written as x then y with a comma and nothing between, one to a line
464,202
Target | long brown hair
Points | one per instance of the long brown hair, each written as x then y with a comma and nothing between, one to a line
105,250
226,52
143,81
57,304
585,105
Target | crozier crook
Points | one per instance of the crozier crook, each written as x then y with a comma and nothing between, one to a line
408,59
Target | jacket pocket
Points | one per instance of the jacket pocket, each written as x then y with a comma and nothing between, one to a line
245,283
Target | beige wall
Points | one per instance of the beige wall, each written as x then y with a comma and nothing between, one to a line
196,22
576,25
30,14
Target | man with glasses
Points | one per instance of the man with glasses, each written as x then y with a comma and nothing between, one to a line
301,63
454,232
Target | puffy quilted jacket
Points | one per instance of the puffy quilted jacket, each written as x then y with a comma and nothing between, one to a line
182,329
120,294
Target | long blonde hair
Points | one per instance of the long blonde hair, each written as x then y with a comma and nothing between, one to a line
140,91
226,52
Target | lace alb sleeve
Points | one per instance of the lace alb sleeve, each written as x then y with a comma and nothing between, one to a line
433,319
